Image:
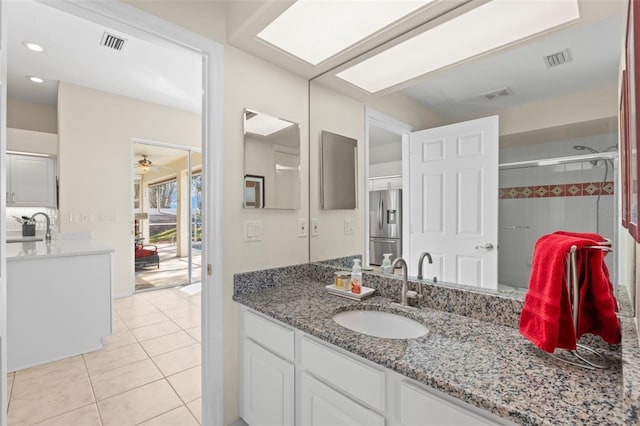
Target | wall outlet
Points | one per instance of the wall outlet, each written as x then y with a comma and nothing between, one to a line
315,227
349,226
302,227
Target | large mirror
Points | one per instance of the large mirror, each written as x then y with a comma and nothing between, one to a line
271,162
555,97
338,183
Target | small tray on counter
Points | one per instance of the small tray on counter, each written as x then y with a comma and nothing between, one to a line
365,292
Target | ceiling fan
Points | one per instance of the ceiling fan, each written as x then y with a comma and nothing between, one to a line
144,165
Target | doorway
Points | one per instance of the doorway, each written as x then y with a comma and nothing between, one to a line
167,215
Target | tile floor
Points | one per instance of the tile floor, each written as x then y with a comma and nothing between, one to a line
172,270
147,373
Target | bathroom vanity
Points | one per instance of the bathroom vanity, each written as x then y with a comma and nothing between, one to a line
58,300
299,366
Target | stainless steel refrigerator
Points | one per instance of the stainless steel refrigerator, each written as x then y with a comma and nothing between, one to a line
385,224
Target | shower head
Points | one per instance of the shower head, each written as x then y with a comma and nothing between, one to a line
587,148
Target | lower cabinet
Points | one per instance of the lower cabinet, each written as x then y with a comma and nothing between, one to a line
322,405
268,387
289,377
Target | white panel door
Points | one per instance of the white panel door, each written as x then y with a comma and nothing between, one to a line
268,388
454,202
321,405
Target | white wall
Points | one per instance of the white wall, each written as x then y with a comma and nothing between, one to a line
32,141
95,163
31,116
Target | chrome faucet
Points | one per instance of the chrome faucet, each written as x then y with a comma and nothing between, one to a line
424,253
47,235
403,264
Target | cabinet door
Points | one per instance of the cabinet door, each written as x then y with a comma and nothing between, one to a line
268,387
321,405
33,182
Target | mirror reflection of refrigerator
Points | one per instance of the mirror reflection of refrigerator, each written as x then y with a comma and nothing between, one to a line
385,224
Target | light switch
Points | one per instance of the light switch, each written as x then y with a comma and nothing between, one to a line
252,230
349,226
315,227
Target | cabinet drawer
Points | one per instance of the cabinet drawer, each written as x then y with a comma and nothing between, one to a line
419,407
276,337
355,378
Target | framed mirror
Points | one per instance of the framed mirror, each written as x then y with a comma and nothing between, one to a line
271,162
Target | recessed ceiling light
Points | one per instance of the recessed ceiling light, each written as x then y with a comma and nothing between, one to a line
33,46
35,79
487,27
315,30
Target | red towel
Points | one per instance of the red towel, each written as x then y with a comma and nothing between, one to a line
546,316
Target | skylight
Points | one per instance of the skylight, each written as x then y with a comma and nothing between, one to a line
314,30
265,125
492,25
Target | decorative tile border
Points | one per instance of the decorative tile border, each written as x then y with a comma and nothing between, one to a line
583,189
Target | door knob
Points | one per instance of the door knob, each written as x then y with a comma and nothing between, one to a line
487,247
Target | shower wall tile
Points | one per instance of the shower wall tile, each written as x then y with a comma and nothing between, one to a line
578,189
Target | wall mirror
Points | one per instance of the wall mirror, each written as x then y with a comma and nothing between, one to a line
338,168
271,162
565,112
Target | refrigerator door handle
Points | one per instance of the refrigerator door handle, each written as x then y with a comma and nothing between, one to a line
380,213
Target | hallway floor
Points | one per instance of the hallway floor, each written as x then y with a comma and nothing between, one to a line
173,270
148,372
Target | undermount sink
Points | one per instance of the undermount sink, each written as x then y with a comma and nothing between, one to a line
381,324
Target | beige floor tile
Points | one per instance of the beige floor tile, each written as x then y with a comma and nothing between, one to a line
50,374
173,302
155,330
136,311
130,302
168,343
181,416
144,320
122,379
118,325
10,378
189,321
85,416
182,311
188,383
195,332
138,405
178,360
196,299
119,339
102,361
42,403
196,409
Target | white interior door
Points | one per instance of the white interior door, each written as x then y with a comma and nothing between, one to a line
454,202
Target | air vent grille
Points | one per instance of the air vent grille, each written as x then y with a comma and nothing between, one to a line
113,42
558,58
490,96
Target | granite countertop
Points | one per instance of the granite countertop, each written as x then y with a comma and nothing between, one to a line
490,366
34,250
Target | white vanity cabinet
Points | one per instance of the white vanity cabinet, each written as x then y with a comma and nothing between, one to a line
332,386
267,376
31,181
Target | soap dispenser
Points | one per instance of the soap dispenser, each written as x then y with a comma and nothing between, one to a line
386,263
356,277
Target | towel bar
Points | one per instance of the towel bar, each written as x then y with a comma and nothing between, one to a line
571,272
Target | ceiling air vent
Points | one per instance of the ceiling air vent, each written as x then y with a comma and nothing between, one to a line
558,58
490,96
113,42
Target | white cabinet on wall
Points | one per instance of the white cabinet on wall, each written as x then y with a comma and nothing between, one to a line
31,181
386,183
